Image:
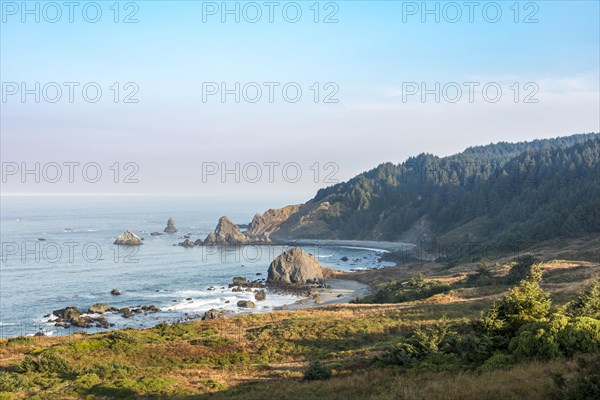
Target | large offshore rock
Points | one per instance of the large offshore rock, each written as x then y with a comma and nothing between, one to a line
170,226
295,266
128,238
226,232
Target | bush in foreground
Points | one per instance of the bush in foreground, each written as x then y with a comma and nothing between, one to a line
317,372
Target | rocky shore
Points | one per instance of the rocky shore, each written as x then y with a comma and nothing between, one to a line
73,317
293,273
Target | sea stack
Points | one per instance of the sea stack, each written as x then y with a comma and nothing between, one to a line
295,266
226,233
170,226
128,238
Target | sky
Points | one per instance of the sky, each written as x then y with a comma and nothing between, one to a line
171,102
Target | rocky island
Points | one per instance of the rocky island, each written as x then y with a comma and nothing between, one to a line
170,226
128,238
227,233
259,230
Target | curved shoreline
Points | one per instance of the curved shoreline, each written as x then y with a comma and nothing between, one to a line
373,245
340,291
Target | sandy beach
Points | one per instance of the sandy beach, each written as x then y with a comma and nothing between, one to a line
340,291
361,244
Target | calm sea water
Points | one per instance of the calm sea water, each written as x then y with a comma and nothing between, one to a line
78,265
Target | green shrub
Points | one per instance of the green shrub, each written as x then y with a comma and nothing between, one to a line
557,336
122,341
433,339
497,361
588,302
476,348
523,304
520,269
581,334
539,339
86,346
45,362
402,354
436,339
316,371
86,382
111,371
148,385
12,382
174,331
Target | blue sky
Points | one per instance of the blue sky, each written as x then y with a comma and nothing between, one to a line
369,54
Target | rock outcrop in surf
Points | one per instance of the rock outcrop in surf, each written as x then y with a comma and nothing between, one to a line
170,226
128,238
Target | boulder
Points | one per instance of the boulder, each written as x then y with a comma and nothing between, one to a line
81,322
101,322
246,304
67,313
212,314
187,243
128,238
99,308
170,226
260,295
295,266
126,312
238,280
115,292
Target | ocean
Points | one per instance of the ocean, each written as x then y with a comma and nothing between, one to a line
77,264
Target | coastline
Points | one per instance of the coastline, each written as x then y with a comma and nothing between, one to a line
340,291
357,244
342,288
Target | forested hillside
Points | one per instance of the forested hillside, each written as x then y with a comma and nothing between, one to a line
505,192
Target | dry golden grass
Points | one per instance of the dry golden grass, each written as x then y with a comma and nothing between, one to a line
531,381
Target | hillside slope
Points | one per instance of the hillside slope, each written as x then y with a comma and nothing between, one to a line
502,193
